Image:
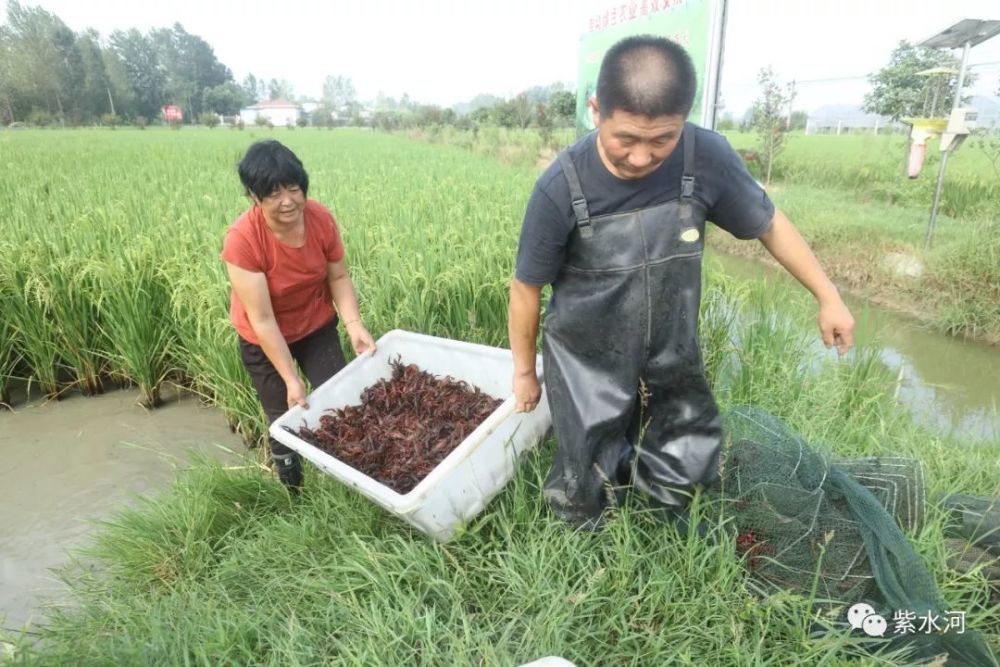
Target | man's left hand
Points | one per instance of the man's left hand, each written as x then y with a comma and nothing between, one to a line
836,325
361,340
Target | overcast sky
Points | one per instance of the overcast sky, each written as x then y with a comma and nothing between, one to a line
447,51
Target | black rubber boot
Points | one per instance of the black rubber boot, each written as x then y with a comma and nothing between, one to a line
289,469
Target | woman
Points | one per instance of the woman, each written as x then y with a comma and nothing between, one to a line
288,275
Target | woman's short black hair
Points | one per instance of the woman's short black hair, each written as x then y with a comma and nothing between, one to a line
268,165
646,75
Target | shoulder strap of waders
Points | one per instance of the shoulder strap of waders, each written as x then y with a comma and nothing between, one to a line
687,179
580,209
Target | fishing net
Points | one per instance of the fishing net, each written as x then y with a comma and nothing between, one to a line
807,523
975,519
973,533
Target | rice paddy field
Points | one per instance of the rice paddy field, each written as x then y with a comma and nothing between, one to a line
111,275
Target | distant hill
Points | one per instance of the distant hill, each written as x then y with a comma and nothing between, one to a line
846,116
849,116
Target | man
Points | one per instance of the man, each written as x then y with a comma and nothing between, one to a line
616,226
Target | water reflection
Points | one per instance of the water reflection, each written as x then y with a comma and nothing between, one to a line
948,384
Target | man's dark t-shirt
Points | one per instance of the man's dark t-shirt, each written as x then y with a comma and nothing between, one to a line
733,199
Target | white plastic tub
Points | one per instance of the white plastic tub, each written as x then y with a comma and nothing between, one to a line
463,483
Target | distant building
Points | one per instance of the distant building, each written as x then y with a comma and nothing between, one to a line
279,112
172,113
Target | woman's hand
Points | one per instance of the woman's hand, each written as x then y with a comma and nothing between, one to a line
361,340
296,393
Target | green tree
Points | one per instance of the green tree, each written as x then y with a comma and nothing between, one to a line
11,79
209,119
898,91
798,120
254,88
769,119
321,116
143,72
727,123
562,107
44,52
480,115
122,93
226,98
95,96
189,65
339,92
279,88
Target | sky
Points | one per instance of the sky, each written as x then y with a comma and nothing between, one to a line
447,51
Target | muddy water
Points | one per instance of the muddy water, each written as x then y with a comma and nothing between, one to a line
948,384
66,464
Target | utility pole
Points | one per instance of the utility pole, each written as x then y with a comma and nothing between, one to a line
944,154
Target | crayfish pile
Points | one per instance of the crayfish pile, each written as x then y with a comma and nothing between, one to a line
404,427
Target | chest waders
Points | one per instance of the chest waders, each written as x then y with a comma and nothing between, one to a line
624,315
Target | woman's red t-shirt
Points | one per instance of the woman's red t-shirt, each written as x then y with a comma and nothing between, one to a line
296,277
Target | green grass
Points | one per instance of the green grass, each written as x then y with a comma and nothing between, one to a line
224,568
871,167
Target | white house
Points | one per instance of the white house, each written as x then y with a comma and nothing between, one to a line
280,112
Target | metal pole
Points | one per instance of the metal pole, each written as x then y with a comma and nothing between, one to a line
937,199
944,154
714,78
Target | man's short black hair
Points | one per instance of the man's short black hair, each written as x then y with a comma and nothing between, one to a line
268,165
646,75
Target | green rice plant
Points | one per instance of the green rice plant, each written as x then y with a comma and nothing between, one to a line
28,313
206,352
73,291
134,306
8,348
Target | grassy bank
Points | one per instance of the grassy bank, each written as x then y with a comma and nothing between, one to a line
226,569
861,246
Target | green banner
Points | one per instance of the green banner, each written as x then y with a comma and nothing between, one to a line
690,23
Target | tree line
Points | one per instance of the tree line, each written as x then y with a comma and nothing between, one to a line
50,74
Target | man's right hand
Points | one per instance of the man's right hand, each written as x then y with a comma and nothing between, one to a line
296,393
527,392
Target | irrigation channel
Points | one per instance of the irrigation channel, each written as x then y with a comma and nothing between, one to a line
72,462
948,384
